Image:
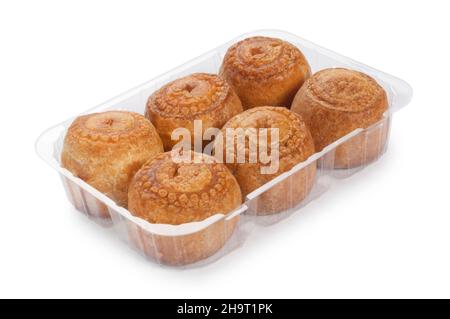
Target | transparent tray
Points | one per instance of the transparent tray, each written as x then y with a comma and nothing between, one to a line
189,244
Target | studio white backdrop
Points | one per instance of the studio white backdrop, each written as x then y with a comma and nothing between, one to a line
385,232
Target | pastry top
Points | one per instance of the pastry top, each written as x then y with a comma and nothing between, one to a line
295,145
199,96
167,191
106,149
295,141
344,90
190,96
334,102
110,127
259,58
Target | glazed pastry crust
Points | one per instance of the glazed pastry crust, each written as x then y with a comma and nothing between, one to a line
295,146
265,71
199,96
334,102
106,149
166,192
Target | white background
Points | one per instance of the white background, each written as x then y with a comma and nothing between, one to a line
385,232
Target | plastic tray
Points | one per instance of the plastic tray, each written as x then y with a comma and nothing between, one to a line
153,240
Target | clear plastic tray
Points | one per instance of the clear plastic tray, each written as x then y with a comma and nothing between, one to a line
176,244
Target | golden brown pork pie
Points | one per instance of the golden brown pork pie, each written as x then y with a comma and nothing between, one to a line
294,146
106,150
164,191
334,102
199,96
265,71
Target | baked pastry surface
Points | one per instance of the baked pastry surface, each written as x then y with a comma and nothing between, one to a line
334,102
265,71
106,149
167,192
199,96
295,146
